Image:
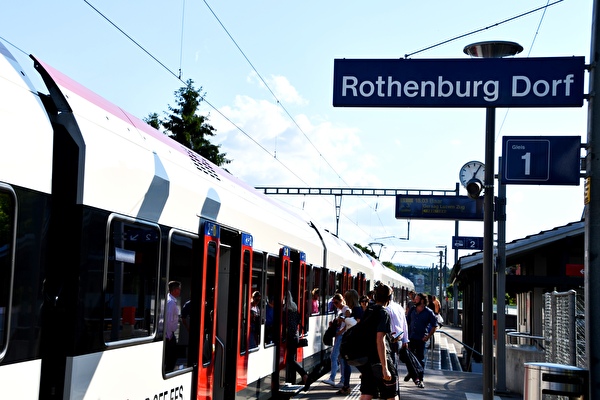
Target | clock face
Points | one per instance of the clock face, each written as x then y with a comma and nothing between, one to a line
471,170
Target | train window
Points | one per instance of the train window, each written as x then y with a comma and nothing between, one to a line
316,291
182,259
271,290
209,304
245,306
331,288
131,280
257,306
7,232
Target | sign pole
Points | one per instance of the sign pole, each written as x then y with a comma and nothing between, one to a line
501,285
592,214
488,255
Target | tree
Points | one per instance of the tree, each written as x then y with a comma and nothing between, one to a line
366,250
188,128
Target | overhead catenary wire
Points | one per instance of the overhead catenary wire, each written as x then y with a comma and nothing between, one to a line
537,31
279,103
178,76
181,41
482,29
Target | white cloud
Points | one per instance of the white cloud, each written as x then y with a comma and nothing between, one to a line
281,88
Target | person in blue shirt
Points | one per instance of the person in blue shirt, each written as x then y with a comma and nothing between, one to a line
421,327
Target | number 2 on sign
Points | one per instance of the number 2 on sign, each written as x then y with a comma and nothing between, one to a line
527,158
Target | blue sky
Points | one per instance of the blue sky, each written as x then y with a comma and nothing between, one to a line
303,139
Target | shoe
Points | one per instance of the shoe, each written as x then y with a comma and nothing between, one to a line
345,391
407,378
329,382
306,381
340,384
420,384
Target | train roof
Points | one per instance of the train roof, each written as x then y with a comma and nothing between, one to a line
133,169
27,162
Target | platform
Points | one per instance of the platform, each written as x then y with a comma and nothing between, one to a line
439,384
447,385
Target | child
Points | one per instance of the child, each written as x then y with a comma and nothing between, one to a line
349,320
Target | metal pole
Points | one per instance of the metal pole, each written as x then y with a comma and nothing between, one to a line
488,255
455,286
441,276
444,277
501,285
592,214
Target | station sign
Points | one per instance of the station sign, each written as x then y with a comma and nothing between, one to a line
467,242
439,207
470,82
541,160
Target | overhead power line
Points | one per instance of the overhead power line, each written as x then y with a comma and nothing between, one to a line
482,29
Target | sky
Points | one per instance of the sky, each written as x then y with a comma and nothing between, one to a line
266,68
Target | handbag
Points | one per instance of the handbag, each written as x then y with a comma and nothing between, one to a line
330,334
413,366
439,318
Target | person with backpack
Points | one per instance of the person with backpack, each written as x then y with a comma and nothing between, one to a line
379,378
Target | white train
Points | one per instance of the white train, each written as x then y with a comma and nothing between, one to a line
98,212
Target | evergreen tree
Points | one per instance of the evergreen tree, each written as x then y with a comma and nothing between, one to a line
188,128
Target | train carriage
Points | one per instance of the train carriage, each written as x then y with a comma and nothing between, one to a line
25,193
98,212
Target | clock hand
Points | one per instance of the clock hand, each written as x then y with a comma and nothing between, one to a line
475,173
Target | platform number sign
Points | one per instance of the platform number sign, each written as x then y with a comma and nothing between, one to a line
467,242
541,160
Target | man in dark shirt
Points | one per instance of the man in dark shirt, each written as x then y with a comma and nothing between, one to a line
379,378
421,326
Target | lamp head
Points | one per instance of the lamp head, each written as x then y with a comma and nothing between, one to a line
474,188
493,49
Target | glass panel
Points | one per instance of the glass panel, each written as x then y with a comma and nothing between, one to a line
131,280
209,304
272,265
245,307
7,218
316,291
257,305
182,259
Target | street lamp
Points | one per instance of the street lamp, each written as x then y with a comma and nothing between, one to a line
490,49
381,246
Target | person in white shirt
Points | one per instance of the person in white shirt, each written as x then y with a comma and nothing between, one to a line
399,328
171,325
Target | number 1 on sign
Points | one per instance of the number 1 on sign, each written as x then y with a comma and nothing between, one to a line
527,158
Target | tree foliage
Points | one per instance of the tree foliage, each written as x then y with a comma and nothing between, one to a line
366,250
184,125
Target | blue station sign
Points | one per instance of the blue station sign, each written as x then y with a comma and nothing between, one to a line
473,82
541,160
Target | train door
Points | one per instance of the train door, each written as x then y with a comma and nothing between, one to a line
291,288
184,267
232,319
207,311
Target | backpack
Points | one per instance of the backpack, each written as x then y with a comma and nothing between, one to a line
353,347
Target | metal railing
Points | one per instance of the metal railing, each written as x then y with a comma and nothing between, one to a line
458,341
462,344
523,338
564,328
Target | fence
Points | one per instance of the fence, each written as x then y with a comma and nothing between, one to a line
564,328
